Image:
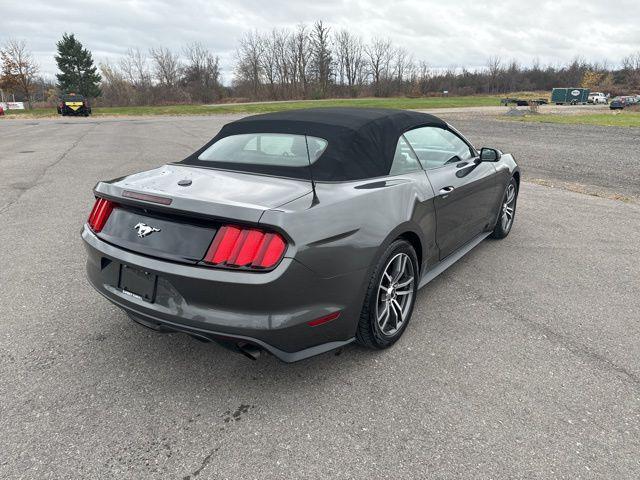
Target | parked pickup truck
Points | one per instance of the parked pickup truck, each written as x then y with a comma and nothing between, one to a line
597,98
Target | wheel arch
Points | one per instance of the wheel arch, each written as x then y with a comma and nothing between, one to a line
409,232
416,243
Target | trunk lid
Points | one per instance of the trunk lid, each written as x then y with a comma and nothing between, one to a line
184,229
242,197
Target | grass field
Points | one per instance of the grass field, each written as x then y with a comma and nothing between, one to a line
610,119
397,102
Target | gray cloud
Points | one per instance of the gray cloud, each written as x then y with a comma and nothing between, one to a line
453,33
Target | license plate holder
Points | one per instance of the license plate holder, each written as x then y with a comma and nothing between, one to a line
138,283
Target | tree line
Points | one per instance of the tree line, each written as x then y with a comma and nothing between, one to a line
316,62
161,76
305,62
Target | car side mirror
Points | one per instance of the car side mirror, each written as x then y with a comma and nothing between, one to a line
489,155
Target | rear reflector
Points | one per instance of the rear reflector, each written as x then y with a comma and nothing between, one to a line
100,214
323,320
237,247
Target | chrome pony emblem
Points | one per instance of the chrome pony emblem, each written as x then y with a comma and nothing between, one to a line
144,229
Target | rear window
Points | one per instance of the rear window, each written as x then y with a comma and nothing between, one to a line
266,149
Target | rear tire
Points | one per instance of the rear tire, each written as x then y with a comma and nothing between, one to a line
388,303
507,212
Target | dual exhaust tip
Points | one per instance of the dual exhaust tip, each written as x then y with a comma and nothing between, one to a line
249,350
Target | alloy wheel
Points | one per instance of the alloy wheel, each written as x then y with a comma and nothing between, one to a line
395,294
508,207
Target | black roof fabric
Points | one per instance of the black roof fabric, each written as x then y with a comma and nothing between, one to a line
361,141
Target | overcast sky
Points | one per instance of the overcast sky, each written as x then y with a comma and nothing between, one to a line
443,32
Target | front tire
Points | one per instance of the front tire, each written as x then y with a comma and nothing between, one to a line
390,297
507,213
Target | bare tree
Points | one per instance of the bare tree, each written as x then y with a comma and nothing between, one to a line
134,66
631,62
19,69
202,73
350,60
402,66
301,58
494,67
321,57
166,66
511,75
422,78
379,54
116,89
269,64
574,72
248,62
631,70
280,40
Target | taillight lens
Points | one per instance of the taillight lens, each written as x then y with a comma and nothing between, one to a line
238,247
100,214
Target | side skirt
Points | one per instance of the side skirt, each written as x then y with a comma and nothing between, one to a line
441,266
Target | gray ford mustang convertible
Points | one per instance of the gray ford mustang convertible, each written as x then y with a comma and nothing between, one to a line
298,232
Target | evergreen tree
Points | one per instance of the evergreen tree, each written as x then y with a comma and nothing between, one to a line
79,74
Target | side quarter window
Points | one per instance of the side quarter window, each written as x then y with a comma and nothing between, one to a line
404,160
436,146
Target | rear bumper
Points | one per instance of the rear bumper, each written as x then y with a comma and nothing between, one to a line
269,309
70,111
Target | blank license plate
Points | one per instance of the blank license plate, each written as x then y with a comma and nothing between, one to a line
138,283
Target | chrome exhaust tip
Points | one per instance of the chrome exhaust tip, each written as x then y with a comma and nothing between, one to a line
249,350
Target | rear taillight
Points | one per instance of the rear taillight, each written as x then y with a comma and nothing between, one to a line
99,215
238,247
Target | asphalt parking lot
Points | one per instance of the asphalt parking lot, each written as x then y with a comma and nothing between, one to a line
521,361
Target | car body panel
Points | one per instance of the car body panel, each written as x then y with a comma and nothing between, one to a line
468,208
171,237
342,231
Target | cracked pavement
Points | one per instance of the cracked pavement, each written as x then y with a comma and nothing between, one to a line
521,361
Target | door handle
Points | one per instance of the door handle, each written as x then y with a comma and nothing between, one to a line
446,191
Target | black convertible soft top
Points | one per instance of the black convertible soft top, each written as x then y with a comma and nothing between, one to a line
361,141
